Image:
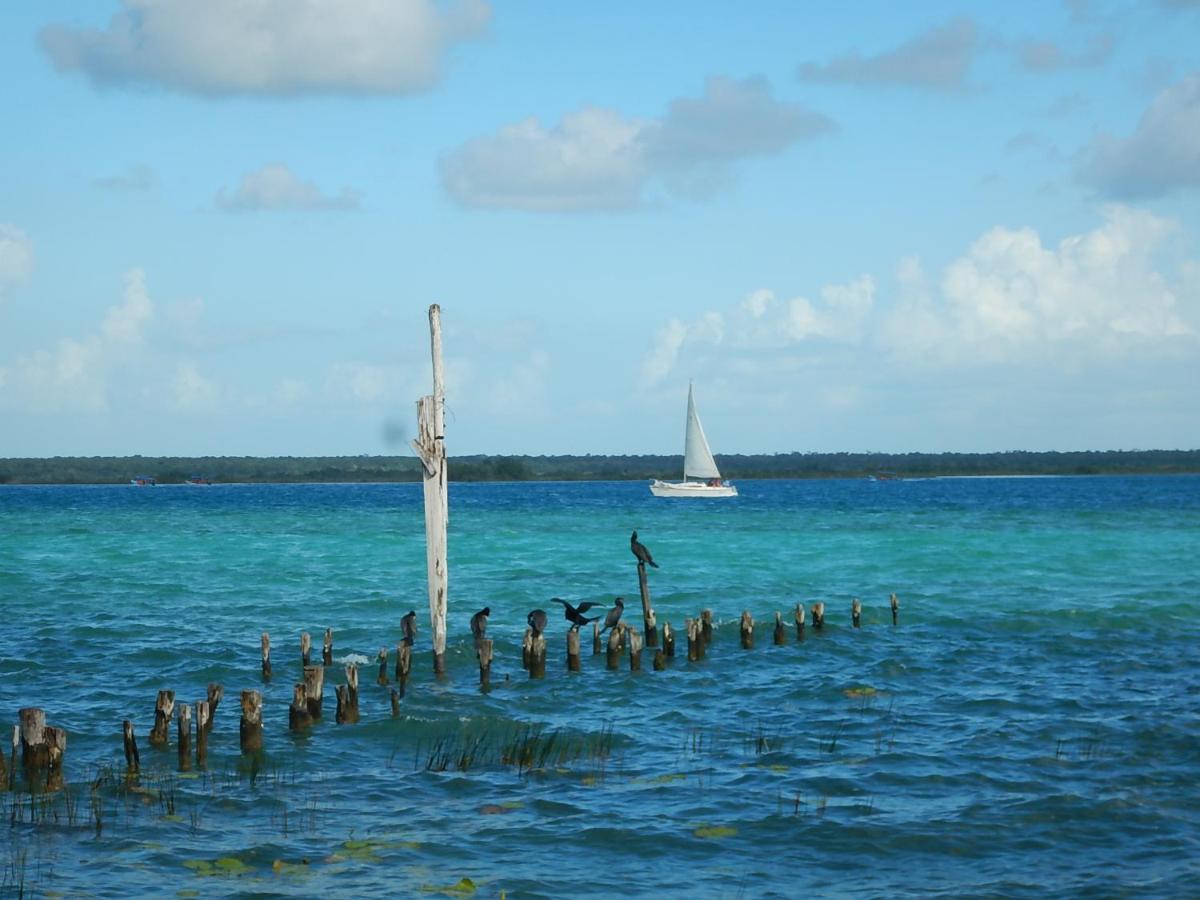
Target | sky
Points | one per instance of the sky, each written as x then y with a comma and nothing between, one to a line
864,226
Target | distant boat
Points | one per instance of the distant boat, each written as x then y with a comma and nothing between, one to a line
698,464
884,476
143,481
199,479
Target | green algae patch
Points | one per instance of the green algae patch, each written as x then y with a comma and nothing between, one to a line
463,888
714,831
229,866
860,690
669,778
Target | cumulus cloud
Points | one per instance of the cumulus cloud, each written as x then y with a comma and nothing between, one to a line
1047,56
274,187
16,256
269,47
938,59
1162,155
596,159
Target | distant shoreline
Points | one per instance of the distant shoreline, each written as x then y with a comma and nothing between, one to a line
371,469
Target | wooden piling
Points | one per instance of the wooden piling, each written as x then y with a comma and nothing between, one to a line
403,665
347,698
215,694
648,616
895,610
203,726
314,689
780,631
266,656
327,648
660,660
526,649
706,627
668,639
572,649
382,657
596,644
395,703
856,612
250,728
635,650
42,746
799,621
305,649
12,761
298,715
746,629
184,737
160,735
537,656
695,640
133,761
483,651
818,615
613,657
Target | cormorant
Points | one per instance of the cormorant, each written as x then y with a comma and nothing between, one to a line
537,621
408,626
479,622
575,615
640,551
614,615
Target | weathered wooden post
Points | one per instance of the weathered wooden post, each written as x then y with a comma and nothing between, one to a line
572,649
215,694
660,660
133,761
746,628
780,631
818,615
635,650
483,650
184,737
42,746
250,728
431,448
314,689
537,655
347,698
382,678
305,649
647,610
266,656
668,639
856,612
799,621
706,627
526,648
395,695
403,665
203,726
327,648
299,717
163,708
596,645
895,610
12,761
695,640
613,656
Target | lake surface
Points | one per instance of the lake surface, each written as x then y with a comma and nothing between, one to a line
1030,728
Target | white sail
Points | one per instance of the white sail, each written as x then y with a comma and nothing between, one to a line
698,460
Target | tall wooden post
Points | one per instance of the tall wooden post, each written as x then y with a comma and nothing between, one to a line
266,656
856,612
431,448
895,609
648,616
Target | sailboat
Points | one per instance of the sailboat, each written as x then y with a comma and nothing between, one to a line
698,463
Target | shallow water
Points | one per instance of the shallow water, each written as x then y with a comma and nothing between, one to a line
1031,727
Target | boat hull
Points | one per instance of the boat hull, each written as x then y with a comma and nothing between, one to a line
691,489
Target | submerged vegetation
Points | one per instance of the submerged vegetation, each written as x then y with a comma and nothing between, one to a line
363,469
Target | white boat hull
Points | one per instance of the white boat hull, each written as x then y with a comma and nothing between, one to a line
691,489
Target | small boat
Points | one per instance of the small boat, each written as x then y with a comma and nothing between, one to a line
698,464
199,479
143,481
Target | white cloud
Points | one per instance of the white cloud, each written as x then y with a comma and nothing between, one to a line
596,159
1162,155
270,47
274,187
938,59
16,256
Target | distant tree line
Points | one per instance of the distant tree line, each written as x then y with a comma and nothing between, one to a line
332,469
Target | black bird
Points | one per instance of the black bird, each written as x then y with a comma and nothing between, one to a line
640,551
614,615
479,622
537,621
408,626
575,614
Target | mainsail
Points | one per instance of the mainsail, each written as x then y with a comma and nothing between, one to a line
698,460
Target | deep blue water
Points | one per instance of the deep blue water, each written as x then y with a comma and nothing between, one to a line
1030,728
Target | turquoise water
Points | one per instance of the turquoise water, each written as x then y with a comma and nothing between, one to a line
1031,727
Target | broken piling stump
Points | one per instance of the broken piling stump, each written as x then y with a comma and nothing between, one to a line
695,640
160,735
483,650
299,717
895,610
347,698
780,631
572,649
537,656
314,689
327,648
42,747
706,627
660,660
395,703
856,612
12,761
526,648
382,657
133,761
305,648
203,726
403,665
746,630
250,728
668,639
799,621
635,650
596,644
818,615
612,659
184,737
266,656
216,693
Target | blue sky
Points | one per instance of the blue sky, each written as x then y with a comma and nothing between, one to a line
891,227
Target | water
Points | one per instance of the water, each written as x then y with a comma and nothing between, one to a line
1030,728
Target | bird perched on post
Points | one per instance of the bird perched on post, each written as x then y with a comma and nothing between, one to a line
614,615
479,622
537,620
575,614
408,626
640,551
